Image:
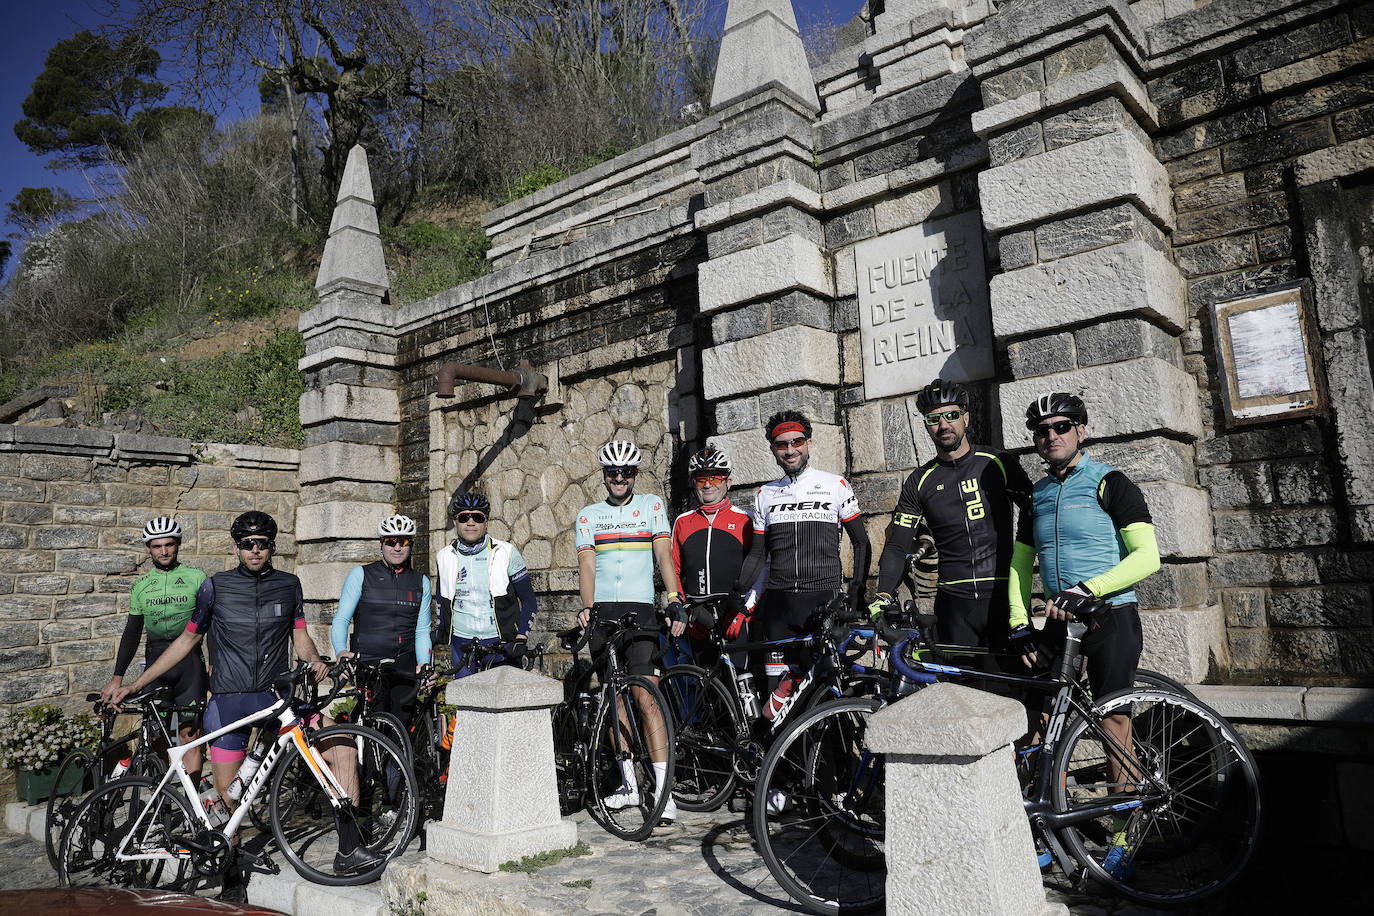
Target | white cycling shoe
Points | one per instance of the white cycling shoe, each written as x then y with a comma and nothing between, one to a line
624,797
669,814
777,801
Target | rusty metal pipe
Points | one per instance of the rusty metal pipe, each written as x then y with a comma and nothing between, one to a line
526,382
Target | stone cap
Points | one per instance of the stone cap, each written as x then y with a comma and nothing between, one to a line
946,720
505,689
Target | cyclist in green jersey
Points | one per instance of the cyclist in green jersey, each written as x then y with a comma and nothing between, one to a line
161,602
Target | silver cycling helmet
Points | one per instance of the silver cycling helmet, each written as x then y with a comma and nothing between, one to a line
397,526
619,453
164,526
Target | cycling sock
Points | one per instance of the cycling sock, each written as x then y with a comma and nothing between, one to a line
660,775
349,838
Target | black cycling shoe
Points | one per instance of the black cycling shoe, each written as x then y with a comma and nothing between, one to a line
359,860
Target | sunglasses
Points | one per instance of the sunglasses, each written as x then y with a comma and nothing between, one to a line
621,473
395,542
1060,427
783,445
255,544
710,480
949,416
464,517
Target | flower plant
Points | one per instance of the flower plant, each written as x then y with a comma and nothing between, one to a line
40,736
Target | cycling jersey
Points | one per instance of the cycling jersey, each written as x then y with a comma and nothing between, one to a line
165,600
800,517
709,548
966,502
249,618
623,538
389,611
475,590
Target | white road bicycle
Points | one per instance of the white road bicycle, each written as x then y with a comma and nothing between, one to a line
140,832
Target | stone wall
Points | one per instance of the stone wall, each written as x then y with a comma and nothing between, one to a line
75,502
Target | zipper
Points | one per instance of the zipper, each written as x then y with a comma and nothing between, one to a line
710,527
257,629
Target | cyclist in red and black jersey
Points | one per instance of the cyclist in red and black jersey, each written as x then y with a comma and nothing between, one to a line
711,541
797,524
965,496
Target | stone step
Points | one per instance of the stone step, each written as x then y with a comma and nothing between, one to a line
290,893
22,818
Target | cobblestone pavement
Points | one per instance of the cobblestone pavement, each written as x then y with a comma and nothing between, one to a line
23,863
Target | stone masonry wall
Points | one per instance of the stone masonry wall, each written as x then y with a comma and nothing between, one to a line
1239,126
74,505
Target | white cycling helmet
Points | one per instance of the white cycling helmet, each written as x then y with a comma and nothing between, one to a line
619,453
397,526
709,460
164,526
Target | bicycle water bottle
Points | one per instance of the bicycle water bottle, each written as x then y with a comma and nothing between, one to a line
121,767
214,807
747,697
245,775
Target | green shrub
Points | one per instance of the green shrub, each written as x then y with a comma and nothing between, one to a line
435,258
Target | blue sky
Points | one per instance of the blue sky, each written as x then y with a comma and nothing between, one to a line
34,27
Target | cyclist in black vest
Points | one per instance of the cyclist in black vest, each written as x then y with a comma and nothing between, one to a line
254,613
388,604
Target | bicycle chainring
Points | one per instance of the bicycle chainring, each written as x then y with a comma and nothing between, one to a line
749,753
210,853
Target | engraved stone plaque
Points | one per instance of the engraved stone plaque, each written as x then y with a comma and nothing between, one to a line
923,306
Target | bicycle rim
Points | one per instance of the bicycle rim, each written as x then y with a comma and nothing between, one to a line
62,807
132,814
431,764
818,810
706,728
568,756
616,752
1195,821
383,805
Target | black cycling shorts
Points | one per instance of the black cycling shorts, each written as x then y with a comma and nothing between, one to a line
187,680
981,621
787,614
1112,647
642,654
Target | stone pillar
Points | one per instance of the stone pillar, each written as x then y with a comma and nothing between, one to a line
958,841
767,282
1089,299
502,801
350,409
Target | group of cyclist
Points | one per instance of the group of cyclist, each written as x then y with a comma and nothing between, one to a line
770,570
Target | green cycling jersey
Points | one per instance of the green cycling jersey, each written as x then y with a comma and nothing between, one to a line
165,600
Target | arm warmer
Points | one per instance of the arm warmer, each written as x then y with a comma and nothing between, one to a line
863,552
892,562
753,564
445,607
524,590
424,646
128,644
1141,560
1019,582
348,603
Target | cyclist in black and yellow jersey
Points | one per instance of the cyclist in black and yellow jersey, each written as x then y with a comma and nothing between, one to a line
161,603
965,496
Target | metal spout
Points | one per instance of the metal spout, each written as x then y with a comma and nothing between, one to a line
524,381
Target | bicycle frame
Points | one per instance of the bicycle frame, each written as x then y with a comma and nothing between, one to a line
290,732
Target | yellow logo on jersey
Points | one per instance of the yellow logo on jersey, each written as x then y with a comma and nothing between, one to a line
974,507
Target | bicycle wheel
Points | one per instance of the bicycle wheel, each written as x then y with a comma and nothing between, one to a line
124,818
390,727
308,826
431,765
818,810
62,807
568,757
623,795
707,729
1193,792
1153,680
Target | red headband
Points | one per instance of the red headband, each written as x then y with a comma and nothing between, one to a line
786,426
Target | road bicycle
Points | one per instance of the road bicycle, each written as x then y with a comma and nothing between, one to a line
1168,820
602,737
139,832
721,736
134,753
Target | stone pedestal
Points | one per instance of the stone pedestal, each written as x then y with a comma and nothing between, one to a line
502,801
957,837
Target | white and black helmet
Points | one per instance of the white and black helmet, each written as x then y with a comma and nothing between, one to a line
397,526
619,453
709,460
164,526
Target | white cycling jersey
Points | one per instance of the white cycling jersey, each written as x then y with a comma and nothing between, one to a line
801,518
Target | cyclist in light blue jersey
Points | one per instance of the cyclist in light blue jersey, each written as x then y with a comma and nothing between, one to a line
619,542
485,591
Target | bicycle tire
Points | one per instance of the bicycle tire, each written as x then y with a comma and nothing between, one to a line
61,807
822,838
706,727
1154,680
306,825
631,744
568,759
430,763
1194,842
390,726
86,854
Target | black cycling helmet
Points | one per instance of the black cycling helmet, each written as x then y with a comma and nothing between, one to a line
709,460
253,523
786,421
467,501
1056,404
940,392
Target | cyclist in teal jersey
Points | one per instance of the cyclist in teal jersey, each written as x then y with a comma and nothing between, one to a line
161,602
619,542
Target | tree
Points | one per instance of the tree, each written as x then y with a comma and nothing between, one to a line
32,207
93,97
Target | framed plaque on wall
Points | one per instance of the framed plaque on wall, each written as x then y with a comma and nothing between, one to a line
1267,355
